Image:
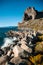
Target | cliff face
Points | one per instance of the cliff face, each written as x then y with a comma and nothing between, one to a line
30,13
32,19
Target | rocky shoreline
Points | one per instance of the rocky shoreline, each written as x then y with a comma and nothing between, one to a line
25,48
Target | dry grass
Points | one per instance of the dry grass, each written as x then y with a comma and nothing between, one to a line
40,37
39,47
36,59
36,24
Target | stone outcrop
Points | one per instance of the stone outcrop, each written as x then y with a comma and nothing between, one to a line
32,19
26,51
30,13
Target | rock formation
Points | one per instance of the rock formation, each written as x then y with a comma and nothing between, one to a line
28,50
30,13
32,19
5,58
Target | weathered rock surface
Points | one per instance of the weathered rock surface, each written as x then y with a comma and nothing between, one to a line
32,20
30,13
27,50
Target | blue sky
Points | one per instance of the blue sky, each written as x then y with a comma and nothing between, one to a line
11,11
